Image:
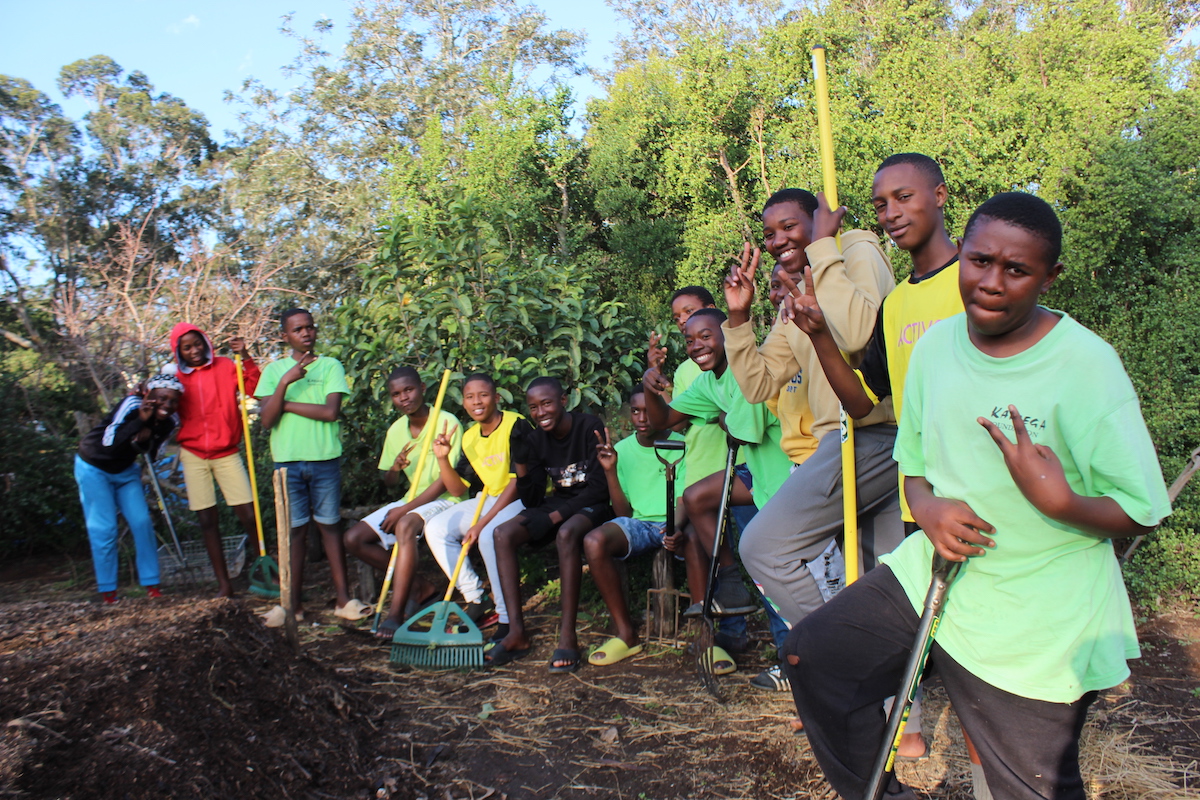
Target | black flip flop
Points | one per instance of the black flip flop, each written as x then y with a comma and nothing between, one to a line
564,654
500,655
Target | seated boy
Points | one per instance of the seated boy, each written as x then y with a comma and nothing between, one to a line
637,485
1038,620
487,451
400,523
210,432
563,448
715,395
301,398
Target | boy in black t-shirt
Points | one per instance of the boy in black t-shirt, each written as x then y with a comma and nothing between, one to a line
562,448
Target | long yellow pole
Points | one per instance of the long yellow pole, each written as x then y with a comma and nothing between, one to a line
426,446
262,545
829,178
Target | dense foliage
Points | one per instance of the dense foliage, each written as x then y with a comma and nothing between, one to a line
430,191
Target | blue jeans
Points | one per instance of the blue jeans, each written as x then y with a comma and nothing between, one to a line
102,493
735,627
314,490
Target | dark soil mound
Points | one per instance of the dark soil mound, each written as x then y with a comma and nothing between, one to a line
169,699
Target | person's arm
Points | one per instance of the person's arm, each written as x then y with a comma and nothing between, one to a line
1039,475
761,371
321,412
851,284
803,309
607,456
661,415
273,405
507,495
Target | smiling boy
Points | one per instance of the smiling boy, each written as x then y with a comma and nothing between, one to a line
562,448
1038,621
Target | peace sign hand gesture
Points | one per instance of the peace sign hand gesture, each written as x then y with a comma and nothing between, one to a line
401,462
605,451
1034,467
739,283
441,444
802,307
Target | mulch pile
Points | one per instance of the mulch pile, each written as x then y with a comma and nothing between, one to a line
170,699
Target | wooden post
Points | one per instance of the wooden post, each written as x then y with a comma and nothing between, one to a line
283,527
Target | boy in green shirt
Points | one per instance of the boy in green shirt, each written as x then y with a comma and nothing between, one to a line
301,397
400,523
637,489
1038,621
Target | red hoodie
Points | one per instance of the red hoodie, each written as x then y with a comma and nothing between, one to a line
210,421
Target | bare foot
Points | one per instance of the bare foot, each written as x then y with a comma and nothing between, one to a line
912,745
796,726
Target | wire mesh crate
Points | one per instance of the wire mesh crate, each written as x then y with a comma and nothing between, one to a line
196,566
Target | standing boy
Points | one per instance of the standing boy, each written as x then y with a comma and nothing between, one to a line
301,397
1038,620
637,484
399,524
562,448
210,432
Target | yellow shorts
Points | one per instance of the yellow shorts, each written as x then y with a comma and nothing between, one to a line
198,474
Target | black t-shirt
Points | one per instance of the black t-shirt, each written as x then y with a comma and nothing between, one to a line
111,445
570,463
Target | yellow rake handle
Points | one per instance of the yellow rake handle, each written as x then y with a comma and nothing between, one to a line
462,555
829,179
241,378
426,446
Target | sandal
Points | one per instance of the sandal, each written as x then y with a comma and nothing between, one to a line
722,663
276,617
387,629
564,654
612,651
354,610
500,655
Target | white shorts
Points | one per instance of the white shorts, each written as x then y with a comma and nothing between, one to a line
425,512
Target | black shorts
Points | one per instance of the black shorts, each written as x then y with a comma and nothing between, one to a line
542,530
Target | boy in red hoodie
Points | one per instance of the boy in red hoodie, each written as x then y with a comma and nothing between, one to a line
210,432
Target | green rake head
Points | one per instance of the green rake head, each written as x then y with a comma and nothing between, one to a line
429,640
264,577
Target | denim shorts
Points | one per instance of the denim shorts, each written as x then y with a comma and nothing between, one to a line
314,490
642,536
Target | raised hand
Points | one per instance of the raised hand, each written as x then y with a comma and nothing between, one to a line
605,452
739,283
238,345
826,221
441,444
655,356
655,382
1034,467
801,307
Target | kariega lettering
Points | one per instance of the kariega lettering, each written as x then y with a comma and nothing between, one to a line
1002,417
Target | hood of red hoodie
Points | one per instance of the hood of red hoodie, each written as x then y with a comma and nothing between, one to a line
177,333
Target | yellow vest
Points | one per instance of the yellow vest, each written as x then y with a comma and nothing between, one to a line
490,456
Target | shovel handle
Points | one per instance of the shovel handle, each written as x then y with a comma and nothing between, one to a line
241,379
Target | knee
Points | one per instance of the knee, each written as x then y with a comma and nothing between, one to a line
503,536
594,546
692,499
408,528
569,537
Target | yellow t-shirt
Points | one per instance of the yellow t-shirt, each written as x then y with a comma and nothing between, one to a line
399,436
491,455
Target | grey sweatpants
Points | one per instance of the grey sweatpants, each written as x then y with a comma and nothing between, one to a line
798,522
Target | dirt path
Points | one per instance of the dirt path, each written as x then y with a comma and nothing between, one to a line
184,698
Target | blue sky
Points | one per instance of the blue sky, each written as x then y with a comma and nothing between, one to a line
198,50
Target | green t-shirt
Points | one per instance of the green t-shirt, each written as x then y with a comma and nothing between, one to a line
643,478
297,438
705,441
1044,614
399,436
752,423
